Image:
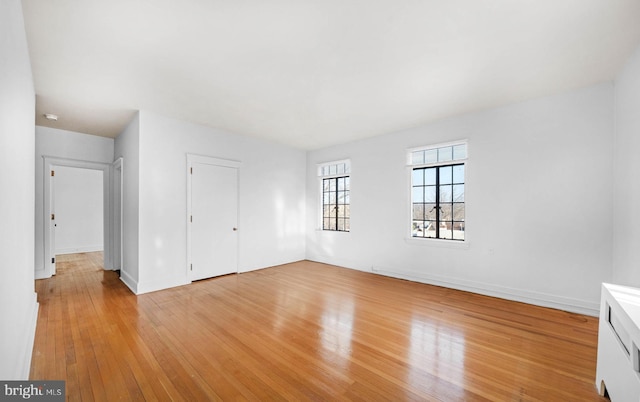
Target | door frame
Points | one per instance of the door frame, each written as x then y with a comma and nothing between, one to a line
50,163
117,215
207,160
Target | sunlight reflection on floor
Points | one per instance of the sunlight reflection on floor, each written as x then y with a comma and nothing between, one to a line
437,350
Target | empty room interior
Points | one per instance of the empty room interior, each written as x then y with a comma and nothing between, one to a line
321,200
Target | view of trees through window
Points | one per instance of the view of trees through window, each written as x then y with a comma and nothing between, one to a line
335,204
438,202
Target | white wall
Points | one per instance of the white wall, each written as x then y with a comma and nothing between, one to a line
18,305
79,210
127,147
68,145
539,205
271,198
626,178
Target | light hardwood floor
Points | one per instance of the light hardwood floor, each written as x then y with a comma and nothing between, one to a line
303,331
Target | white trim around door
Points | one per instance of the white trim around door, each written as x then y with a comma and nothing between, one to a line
50,164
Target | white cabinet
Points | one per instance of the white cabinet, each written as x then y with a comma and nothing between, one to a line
618,368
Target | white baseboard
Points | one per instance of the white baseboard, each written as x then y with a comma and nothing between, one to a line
271,263
519,295
131,283
41,274
160,284
139,288
26,348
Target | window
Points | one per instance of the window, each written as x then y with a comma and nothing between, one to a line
335,187
437,191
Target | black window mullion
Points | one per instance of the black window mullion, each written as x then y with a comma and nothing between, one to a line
424,207
437,202
337,203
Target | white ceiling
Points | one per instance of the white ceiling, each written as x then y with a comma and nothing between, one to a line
313,73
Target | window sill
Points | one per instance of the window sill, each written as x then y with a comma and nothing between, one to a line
439,243
331,231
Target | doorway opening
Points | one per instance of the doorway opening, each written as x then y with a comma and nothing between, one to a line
78,208
82,227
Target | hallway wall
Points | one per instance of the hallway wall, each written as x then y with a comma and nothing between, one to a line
18,302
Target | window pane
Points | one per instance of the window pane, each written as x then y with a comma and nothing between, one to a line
430,194
445,154
417,158
325,198
418,212
347,183
417,229
332,184
458,212
340,183
347,197
445,232
458,193
430,229
325,185
430,176
332,197
446,213
332,224
340,211
325,224
458,230
431,156
430,211
418,194
340,224
347,211
458,174
459,152
340,168
445,193
332,169
445,174
417,177
347,225
326,211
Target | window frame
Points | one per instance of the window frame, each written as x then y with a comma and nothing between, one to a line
334,170
411,166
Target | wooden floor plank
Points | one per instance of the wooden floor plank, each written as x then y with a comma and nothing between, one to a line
303,331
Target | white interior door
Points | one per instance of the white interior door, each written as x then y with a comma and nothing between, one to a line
213,220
